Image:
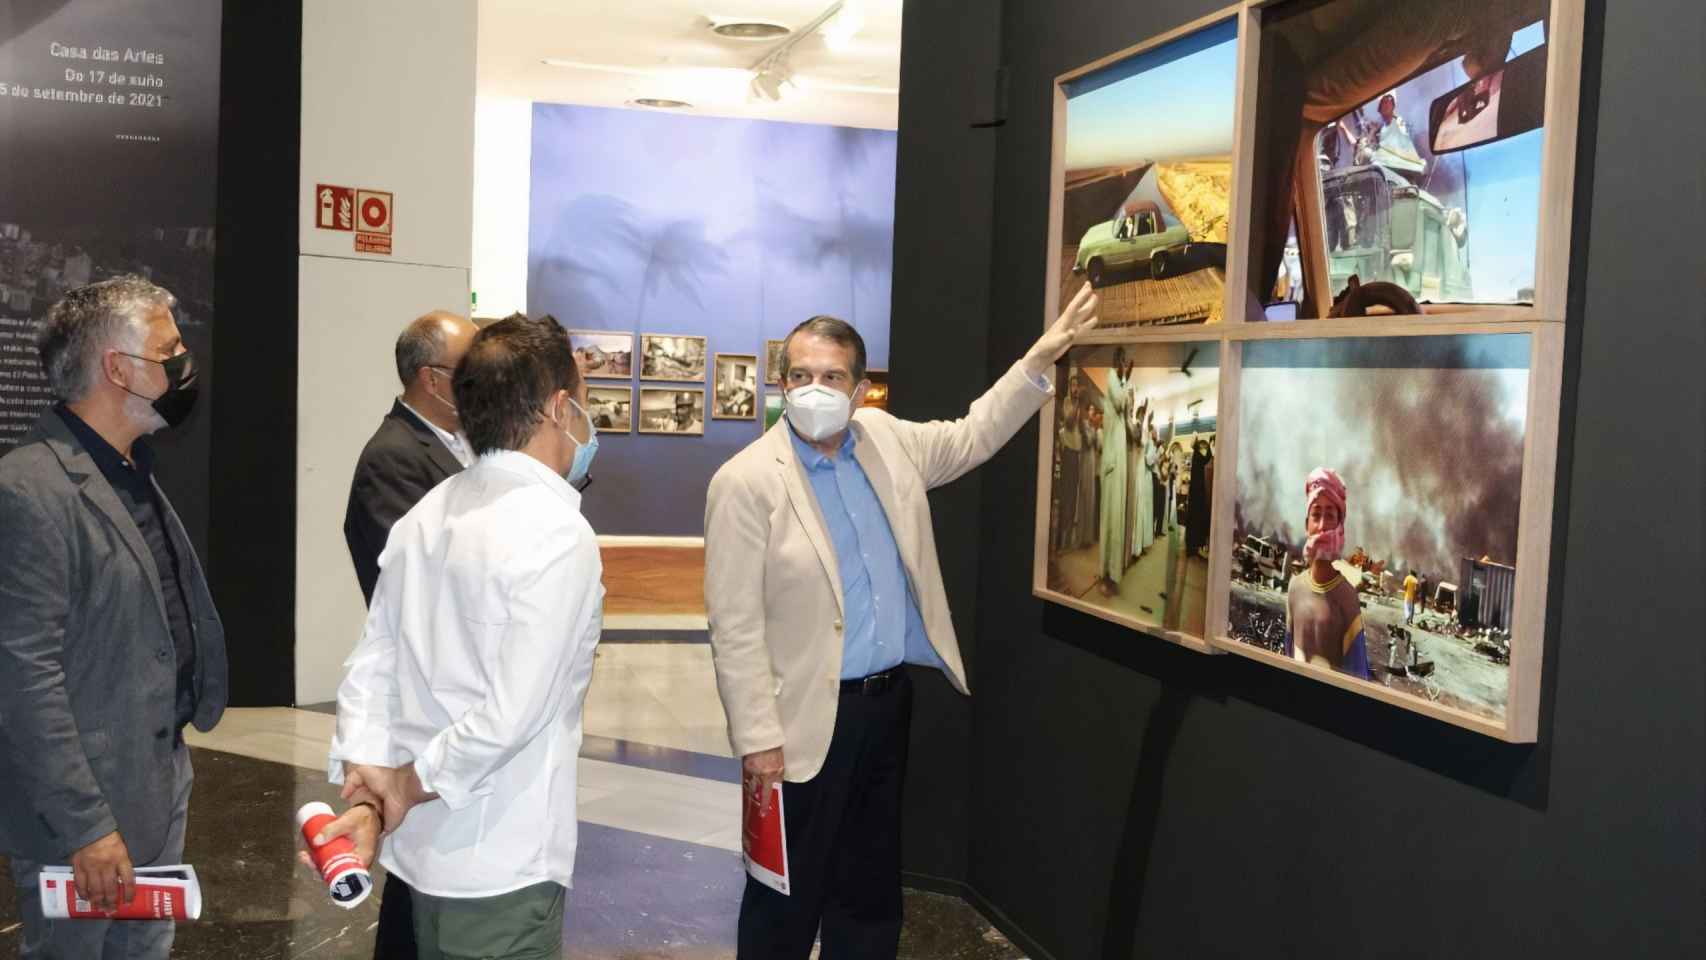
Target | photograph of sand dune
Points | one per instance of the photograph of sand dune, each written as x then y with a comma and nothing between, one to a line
1148,180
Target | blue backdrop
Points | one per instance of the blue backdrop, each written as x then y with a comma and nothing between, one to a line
735,230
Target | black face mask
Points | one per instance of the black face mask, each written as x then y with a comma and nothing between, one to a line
175,404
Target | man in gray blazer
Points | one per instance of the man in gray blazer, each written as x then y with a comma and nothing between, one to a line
109,641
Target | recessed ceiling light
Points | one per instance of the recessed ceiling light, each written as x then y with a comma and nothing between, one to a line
749,29
658,103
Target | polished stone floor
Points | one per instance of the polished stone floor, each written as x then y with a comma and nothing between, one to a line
658,873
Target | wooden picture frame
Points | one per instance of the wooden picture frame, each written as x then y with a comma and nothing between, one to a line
650,369
671,397
773,362
1542,322
593,346
611,407
1155,597
754,388
878,394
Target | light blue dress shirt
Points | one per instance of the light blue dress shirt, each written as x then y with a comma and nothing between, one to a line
882,626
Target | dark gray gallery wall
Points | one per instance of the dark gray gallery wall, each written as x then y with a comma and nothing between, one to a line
1126,799
944,206
251,558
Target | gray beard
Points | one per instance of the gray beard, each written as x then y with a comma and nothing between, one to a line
141,413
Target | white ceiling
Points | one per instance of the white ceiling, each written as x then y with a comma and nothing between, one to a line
626,49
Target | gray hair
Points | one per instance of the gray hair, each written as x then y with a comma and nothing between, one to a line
421,344
835,331
91,320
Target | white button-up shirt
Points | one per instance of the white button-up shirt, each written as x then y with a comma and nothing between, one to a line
456,443
473,666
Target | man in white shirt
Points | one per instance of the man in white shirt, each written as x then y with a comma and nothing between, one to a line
460,708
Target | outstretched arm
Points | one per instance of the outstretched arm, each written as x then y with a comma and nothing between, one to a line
945,450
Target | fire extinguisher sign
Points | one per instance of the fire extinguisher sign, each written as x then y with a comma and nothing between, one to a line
336,207
362,211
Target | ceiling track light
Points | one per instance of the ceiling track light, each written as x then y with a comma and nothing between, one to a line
773,81
772,76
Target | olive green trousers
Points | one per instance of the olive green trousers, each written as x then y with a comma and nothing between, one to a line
525,924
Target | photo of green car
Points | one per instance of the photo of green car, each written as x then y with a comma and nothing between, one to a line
1146,182
1137,240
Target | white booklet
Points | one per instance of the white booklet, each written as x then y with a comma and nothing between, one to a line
162,893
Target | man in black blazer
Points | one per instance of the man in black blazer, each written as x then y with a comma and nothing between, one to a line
417,445
109,641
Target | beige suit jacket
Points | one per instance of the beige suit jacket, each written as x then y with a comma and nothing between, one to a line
772,588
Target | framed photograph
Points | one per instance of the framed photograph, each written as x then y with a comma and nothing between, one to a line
1428,182
1144,172
773,361
611,408
1409,212
772,408
1377,537
878,395
1127,486
604,354
735,387
672,411
665,357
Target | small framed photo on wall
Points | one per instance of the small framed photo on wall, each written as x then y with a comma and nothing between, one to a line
773,361
611,408
878,394
667,357
735,387
604,354
672,411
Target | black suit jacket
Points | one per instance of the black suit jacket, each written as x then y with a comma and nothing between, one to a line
88,676
398,466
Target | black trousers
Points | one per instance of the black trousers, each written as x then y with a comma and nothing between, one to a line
843,843
395,938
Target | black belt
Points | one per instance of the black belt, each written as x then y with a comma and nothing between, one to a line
874,685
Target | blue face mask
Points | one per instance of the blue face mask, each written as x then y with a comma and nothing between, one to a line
584,452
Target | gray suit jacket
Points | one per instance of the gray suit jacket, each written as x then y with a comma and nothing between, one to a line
88,676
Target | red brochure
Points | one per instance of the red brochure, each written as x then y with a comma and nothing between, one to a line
764,840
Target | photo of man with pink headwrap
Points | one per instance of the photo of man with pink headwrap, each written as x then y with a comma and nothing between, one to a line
1375,516
1323,620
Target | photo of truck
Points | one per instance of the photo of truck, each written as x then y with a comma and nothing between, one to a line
1381,226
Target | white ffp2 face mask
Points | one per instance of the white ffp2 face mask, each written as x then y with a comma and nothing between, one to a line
818,412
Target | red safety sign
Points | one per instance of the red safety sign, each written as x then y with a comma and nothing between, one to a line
336,209
366,213
375,207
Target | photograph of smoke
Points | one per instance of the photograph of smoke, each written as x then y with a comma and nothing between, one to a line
1420,125
1376,516
1148,176
1130,491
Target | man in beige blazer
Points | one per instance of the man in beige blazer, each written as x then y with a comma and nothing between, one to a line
821,581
